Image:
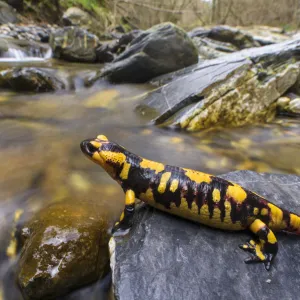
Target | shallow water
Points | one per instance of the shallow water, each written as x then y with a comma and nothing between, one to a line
41,161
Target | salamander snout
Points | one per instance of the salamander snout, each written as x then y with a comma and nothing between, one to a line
88,147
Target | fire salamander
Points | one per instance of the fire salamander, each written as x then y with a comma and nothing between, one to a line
193,195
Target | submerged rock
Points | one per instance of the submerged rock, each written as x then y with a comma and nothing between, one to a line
233,90
170,258
14,48
66,247
7,13
30,80
74,44
161,49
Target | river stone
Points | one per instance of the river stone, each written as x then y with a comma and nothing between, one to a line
209,49
74,44
75,16
236,37
233,90
7,13
161,49
166,257
17,4
30,80
66,247
289,104
108,50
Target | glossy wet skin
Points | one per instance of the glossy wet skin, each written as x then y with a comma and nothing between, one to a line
193,195
101,151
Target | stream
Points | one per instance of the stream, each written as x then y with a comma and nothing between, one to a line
41,161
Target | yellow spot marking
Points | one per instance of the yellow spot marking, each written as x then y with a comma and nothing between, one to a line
257,225
96,144
129,197
163,182
152,165
174,185
264,212
122,216
216,196
125,171
115,157
271,237
237,193
96,157
277,222
255,211
294,221
102,137
196,176
148,196
259,253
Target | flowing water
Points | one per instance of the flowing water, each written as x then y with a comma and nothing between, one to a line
41,161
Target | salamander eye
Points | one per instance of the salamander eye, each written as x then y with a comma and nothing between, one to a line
88,148
91,148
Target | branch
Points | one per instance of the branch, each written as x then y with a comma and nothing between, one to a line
157,8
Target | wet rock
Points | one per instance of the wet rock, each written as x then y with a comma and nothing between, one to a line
30,80
7,13
236,37
75,16
289,104
233,90
29,32
209,49
65,248
20,49
74,44
170,258
266,35
17,4
198,32
161,49
109,50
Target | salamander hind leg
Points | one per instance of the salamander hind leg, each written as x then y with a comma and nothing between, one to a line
264,248
124,224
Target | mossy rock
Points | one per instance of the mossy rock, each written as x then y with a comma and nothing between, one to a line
66,247
74,44
30,80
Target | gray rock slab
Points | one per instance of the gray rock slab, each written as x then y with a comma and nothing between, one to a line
166,257
193,85
159,50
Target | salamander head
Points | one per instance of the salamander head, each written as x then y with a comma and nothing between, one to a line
110,156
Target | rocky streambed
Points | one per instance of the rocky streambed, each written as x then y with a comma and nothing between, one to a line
232,92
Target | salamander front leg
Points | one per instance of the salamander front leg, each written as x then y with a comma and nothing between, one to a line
264,249
123,226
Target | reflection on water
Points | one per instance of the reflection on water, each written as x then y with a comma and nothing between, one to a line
41,160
